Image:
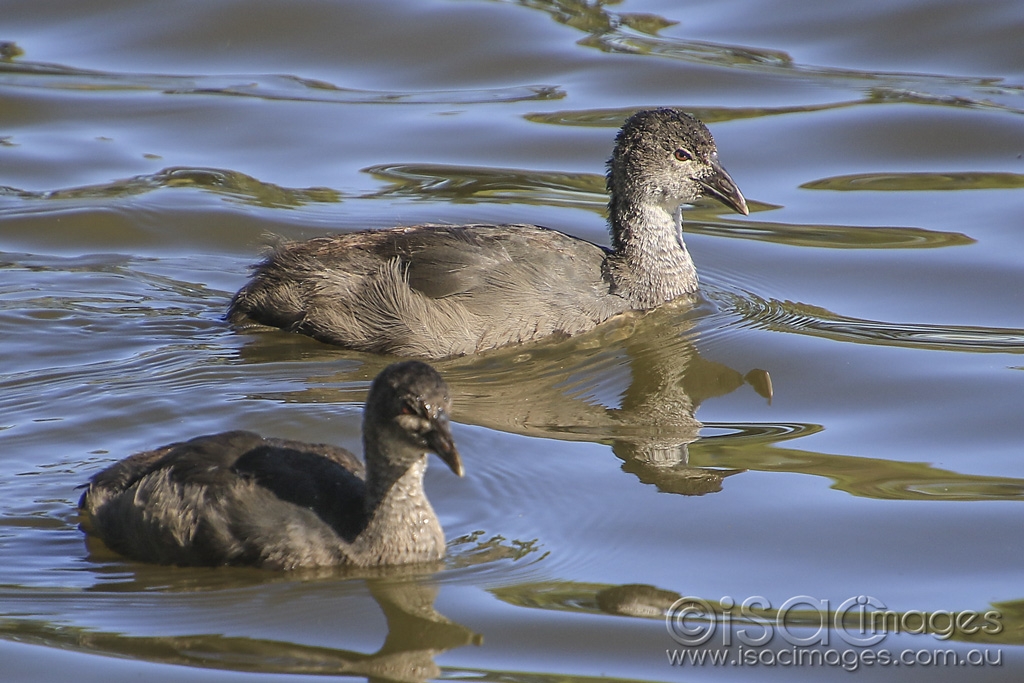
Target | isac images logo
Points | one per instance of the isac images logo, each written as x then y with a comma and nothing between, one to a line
806,631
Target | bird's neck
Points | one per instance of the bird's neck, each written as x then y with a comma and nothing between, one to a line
389,467
652,265
402,526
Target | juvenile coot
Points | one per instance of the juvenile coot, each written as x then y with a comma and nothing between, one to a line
238,498
435,291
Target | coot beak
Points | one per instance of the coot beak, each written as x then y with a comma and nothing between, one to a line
721,186
440,440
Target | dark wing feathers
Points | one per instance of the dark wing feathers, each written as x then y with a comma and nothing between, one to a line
324,479
301,474
202,457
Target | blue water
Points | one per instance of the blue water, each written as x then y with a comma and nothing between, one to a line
838,417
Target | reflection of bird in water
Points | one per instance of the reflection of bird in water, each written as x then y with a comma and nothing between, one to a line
635,383
437,291
636,600
416,634
625,600
239,498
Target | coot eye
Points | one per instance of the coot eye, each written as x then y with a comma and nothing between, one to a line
682,155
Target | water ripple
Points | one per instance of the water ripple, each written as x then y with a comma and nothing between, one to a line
760,448
468,184
262,86
638,35
807,319
587,191
918,182
231,184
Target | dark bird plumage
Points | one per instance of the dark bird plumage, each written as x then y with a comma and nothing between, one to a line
239,498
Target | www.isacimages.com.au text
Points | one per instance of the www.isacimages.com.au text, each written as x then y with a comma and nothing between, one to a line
848,659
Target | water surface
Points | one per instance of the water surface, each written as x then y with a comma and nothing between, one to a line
838,416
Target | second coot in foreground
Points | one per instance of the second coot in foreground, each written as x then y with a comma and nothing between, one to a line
238,498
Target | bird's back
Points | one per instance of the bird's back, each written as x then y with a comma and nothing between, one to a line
230,498
432,291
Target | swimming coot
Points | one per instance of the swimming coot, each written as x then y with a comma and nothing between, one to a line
242,499
435,291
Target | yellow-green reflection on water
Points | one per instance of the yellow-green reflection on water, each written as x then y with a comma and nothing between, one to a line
918,182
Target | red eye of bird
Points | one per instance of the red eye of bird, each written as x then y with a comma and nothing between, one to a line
682,155
409,409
